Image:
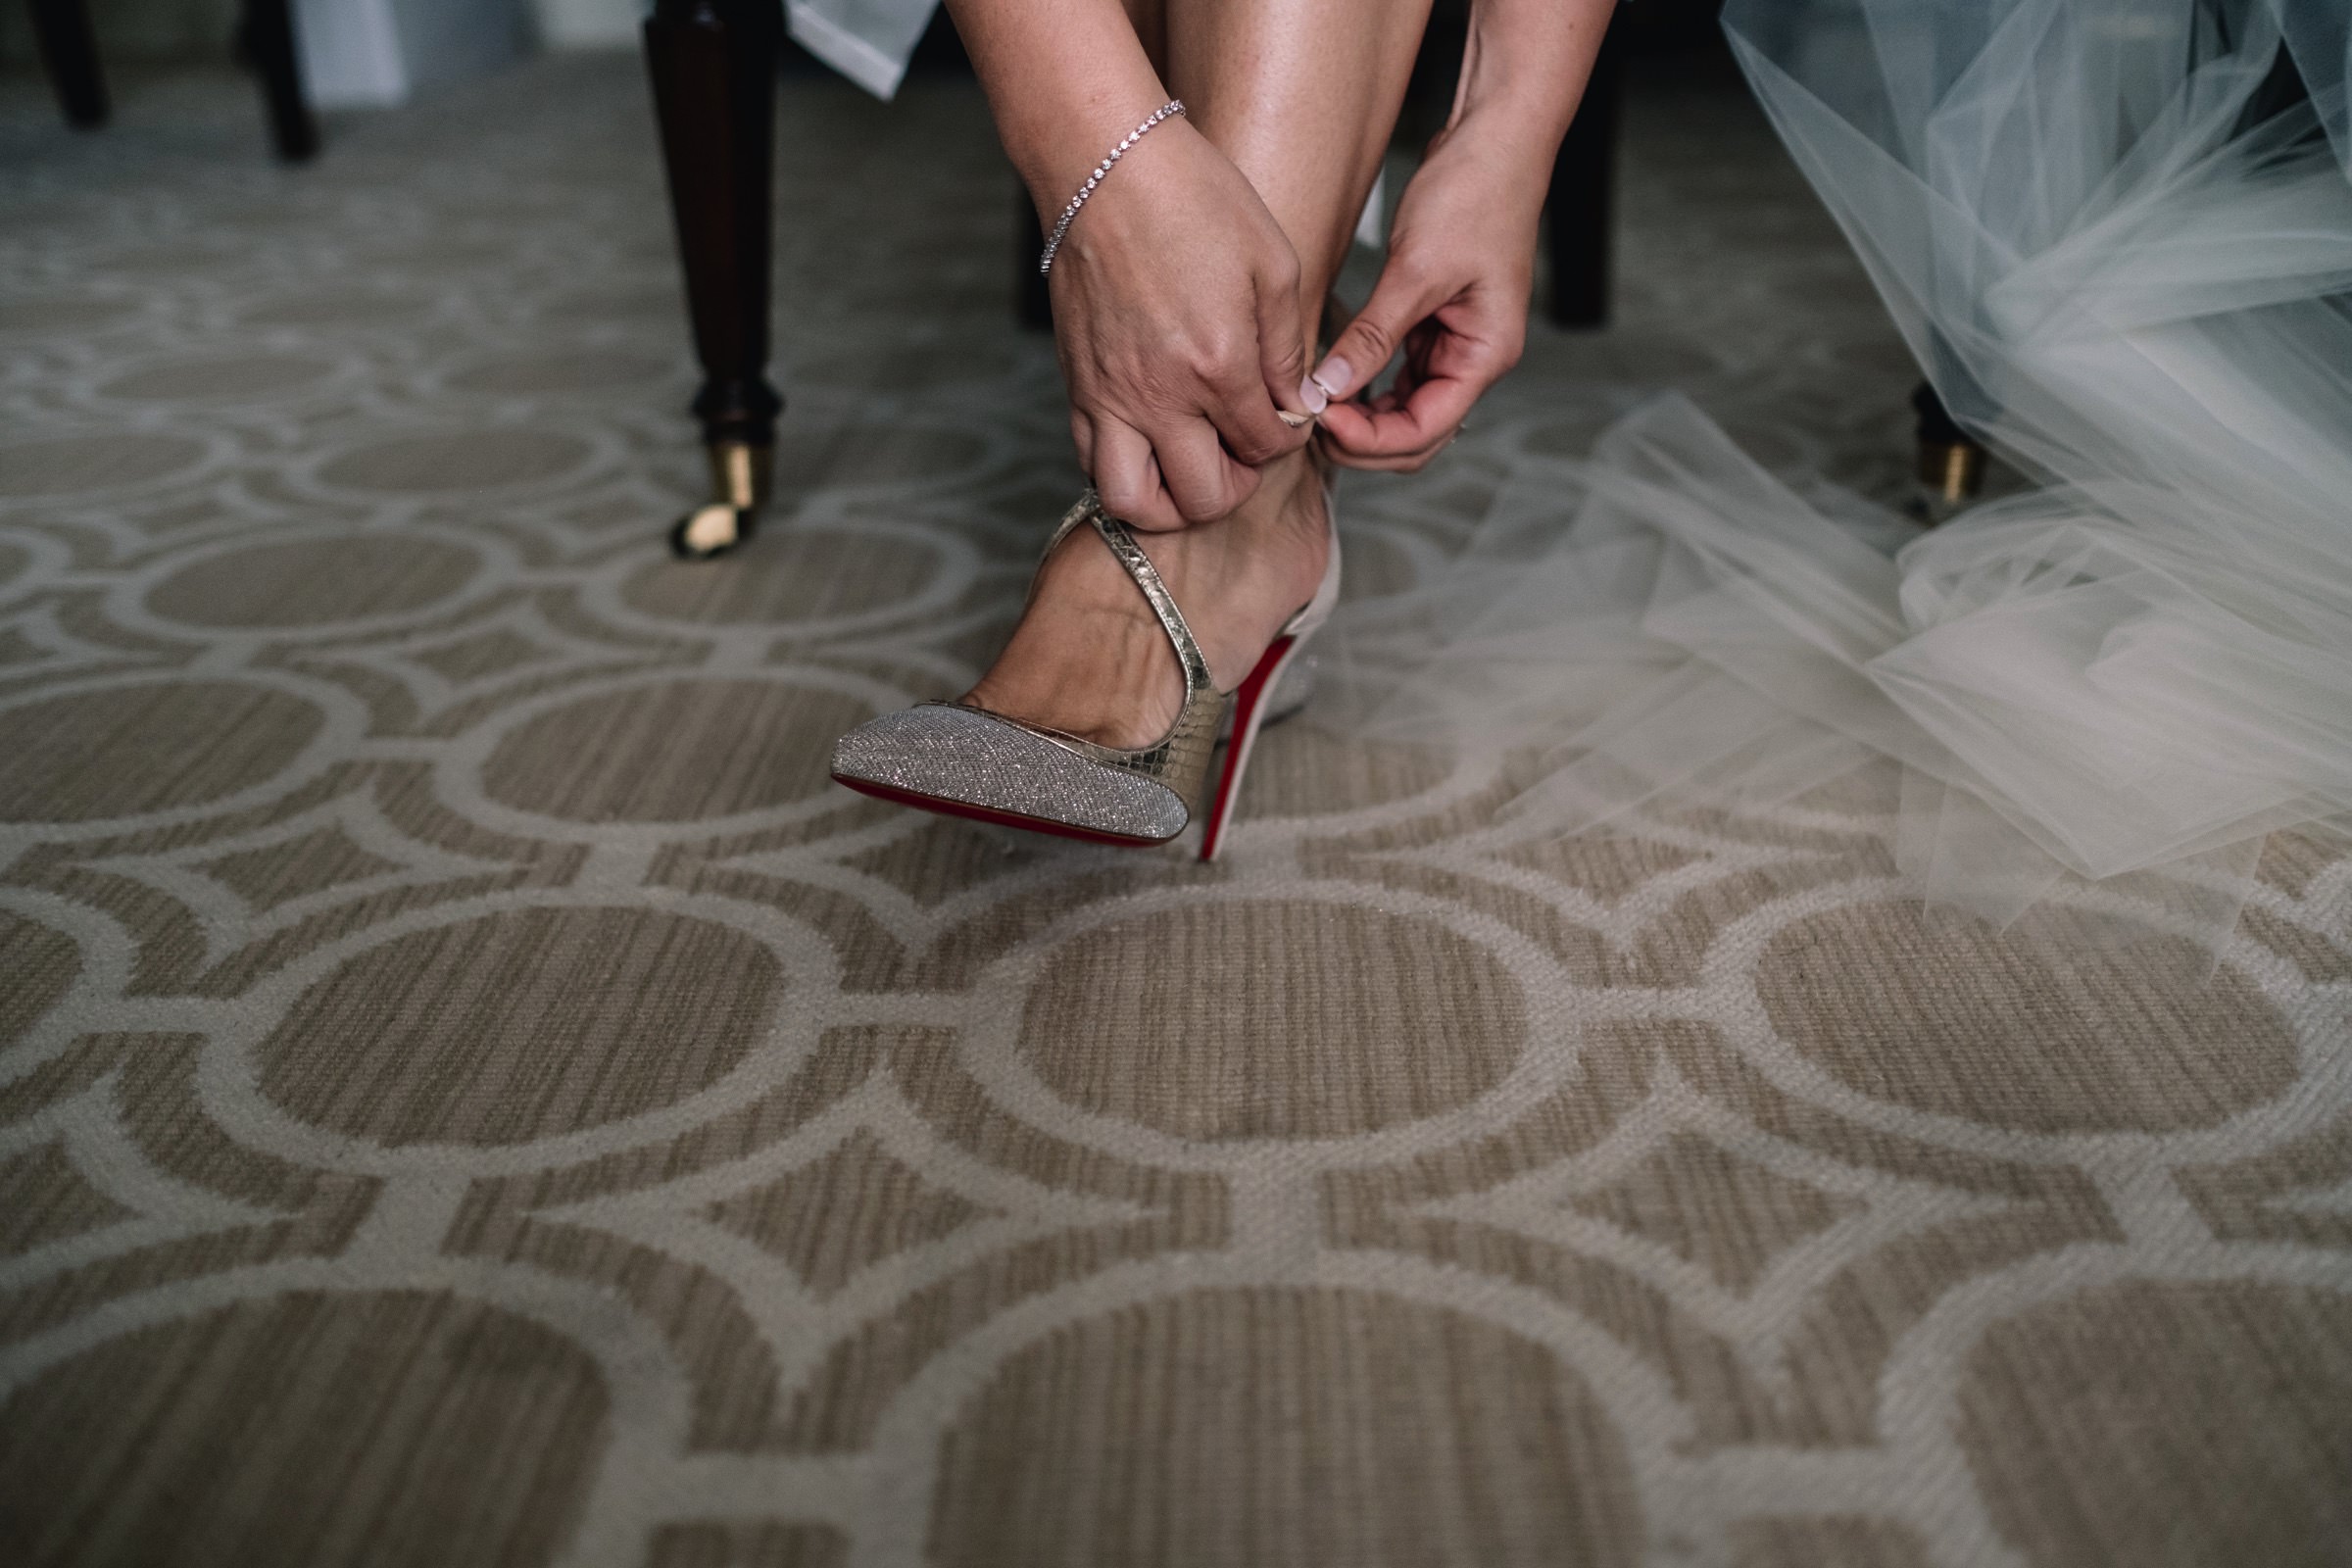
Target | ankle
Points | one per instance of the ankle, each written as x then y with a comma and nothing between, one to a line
1281,529
1290,488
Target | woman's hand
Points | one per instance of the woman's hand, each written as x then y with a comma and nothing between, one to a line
1454,296
1176,314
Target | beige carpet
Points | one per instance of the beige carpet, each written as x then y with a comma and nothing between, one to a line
479,1096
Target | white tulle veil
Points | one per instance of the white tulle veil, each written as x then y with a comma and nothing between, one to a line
2116,235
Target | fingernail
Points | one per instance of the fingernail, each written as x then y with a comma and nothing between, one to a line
1333,377
1313,396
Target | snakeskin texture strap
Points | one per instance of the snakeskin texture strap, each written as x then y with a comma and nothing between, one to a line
1121,540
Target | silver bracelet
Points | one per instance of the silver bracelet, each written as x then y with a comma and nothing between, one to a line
1044,263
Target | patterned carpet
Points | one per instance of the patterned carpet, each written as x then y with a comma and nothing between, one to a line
477,1095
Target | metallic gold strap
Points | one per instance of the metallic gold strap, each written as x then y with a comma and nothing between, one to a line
1081,509
1121,540
1130,555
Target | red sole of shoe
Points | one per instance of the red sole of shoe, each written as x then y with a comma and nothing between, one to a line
981,813
1249,702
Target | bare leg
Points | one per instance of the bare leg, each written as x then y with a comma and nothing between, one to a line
1302,95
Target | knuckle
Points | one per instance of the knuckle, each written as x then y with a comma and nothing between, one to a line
1217,364
1201,507
1379,342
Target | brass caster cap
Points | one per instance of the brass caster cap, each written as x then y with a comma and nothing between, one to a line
1952,470
710,530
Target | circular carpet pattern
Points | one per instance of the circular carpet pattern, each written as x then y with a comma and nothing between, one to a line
472,1092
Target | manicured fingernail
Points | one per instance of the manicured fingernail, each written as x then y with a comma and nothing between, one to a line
1333,377
1313,396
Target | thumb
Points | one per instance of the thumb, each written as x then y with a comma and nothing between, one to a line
1282,351
1371,341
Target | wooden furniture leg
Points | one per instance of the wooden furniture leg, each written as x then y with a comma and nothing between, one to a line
714,67
1579,214
70,50
265,29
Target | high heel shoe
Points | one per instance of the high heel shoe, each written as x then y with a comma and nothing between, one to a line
967,762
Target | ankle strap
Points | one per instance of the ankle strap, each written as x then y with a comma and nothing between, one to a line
1148,582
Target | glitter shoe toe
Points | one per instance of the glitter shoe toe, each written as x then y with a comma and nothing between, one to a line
966,761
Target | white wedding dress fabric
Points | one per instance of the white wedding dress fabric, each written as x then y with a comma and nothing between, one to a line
868,42
2116,235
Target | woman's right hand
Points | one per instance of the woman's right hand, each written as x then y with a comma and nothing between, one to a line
1177,317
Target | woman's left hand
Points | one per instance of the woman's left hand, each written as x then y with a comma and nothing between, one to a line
1454,296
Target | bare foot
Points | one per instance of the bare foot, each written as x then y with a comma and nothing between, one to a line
1089,657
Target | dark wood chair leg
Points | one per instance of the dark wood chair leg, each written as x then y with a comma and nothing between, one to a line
1579,216
265,30
70,50
714,68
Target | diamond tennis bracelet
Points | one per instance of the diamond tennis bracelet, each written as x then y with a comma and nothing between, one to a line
1044,263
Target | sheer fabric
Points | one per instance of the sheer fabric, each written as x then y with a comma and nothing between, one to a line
2116,235
868,42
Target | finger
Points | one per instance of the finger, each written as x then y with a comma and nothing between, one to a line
1282,345
1410,463
1203,478
1254,428
1081,436
1394,462
1127,476
1414,430
1429,415
1399,302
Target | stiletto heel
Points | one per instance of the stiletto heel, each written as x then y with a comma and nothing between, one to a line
1255,699
1248,711
962,760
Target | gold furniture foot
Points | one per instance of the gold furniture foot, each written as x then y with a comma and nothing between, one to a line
740,477
1951,462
